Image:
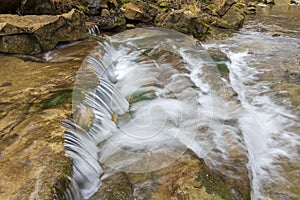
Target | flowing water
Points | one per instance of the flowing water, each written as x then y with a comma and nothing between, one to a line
146,97
265,72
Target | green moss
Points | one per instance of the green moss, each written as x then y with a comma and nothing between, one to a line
201,34
57,99
120,193
78,96
221,65
141,96
211,6
213,183
125,1
120,21
163,4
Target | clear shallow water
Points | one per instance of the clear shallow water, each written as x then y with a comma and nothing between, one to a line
161,94
264,71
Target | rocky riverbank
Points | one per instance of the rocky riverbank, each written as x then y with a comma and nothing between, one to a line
31,26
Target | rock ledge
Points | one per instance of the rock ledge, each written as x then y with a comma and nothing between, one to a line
33,34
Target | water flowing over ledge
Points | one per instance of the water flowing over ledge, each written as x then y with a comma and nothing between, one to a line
269,122
141,100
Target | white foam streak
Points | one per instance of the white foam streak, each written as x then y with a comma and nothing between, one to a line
150,106
265,126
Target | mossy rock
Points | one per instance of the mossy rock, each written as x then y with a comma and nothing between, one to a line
221,66
213,183
58,99
186,20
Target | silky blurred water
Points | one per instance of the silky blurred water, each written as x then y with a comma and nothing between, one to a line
146,96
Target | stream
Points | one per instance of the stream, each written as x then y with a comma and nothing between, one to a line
147,97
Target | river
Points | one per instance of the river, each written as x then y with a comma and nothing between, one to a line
155,96
158,115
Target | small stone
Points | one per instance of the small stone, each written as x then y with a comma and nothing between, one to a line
105,13
251,4
130,26
276,35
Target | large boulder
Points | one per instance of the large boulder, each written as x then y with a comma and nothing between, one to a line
234,17
139,11
223,6
186,20
34,34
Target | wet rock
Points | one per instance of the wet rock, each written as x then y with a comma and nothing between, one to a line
185,21
189,178
115,187
223,6
130,26
33,162
186,178
109,22
34,34
251,8
199,19
135,11
234,17
105,13
140,11
95,6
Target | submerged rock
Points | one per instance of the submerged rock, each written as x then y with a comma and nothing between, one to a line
34,34
186,178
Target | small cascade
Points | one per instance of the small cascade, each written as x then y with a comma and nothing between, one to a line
140,102
269,129
94,30
270,125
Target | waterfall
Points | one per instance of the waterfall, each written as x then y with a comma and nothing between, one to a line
94,30
269,126
141,99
